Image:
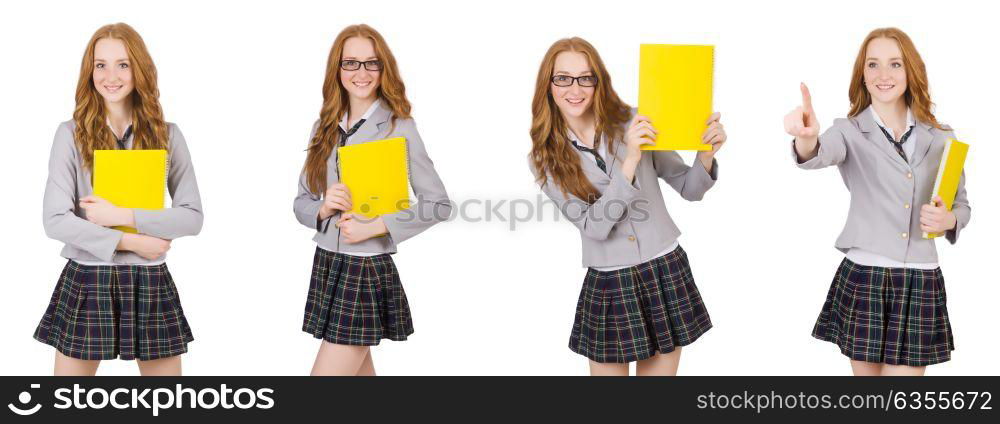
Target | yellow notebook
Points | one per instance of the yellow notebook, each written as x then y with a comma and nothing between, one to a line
949,173
376,173
131,178
675,92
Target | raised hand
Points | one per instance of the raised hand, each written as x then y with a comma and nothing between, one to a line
640,131
714,135
802,124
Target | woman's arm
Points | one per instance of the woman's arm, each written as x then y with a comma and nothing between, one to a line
597,219
310,208
58,204
692,182
432,203
961,209
184,217
807,150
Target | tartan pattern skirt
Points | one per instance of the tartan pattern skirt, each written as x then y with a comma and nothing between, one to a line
895,316
104,312
356,300
631,314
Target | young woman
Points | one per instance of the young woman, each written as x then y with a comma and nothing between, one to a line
115,297
639,301
886,307
355,296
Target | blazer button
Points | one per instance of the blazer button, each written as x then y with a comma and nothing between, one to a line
904,235
631,238
906,206
909,175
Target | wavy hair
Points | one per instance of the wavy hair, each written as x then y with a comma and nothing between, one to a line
148,127
391,91
552,154
917,94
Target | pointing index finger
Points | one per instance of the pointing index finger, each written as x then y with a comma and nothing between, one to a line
806,98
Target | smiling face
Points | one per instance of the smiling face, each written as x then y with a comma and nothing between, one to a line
112,70
573,101
885,74
362,83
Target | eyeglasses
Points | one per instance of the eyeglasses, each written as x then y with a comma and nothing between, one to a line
354,65
566,80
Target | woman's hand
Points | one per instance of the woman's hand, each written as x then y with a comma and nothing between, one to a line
640,131
714,135
337,198
356,229
802,124
103,213
148,247
936,218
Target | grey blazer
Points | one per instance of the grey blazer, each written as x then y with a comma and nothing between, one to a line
69,181
629,223
886,191
432,204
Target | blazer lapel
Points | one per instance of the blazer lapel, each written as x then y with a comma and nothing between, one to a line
589,164
874,134
613,150
372,127
922,138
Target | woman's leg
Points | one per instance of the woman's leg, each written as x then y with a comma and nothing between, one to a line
660,364
902,371
367,367
342,360
598,369
866,369
163,367
72,367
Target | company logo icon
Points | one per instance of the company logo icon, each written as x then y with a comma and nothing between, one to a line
25,398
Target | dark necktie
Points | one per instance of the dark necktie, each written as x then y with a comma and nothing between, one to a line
898,144
121,141
344,135
600,160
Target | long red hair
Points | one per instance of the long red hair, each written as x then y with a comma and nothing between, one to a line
148,127
917,95
551,151
391,91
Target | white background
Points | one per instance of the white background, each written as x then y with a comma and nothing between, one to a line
243,81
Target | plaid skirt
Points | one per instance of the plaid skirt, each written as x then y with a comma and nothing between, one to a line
108,311
895,316
631,314
356,300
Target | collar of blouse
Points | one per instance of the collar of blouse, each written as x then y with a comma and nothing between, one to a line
921,137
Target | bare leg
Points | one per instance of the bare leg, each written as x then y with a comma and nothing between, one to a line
163,367
598,369
72,367
367,367
902,371
660,364
866,369
335,359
